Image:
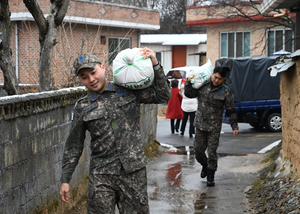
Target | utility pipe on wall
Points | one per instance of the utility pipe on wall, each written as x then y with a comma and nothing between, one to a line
17,50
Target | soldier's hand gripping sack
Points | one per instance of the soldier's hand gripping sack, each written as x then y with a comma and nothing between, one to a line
130,70
202,74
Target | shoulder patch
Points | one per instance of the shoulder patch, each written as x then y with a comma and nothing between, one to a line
227,87
77,106
95,105
122,94
81,99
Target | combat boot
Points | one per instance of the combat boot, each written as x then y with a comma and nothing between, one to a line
210,177
203,173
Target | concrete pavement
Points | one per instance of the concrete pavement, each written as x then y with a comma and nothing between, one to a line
174,184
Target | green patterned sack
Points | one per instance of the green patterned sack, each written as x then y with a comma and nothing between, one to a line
202,74
130,70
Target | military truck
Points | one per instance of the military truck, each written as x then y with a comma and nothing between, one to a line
256,93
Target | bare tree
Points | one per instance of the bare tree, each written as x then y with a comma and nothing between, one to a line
47,35
6,60
172,16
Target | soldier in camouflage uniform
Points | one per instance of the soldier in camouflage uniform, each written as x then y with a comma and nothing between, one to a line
112,115
212,98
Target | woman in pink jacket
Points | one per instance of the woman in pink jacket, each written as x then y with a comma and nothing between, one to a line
174,110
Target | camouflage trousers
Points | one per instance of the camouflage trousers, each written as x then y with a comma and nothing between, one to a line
127,191
210,141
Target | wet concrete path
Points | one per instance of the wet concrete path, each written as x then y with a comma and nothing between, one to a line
174,185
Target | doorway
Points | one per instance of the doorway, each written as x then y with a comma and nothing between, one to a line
178,56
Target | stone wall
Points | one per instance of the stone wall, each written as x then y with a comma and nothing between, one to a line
290,102
34,128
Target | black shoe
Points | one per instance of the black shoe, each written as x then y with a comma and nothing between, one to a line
203,173
191,136
177,130
181,134
210,177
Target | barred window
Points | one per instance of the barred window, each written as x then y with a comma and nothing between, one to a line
235,44
279,39
116,45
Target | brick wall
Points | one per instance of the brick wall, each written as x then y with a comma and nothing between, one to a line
257,38
34,128
73,39
216,12
97,10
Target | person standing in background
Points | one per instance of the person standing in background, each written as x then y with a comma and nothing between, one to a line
189,107
174,110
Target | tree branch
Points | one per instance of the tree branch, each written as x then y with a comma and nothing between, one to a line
282,21
37,14
62,11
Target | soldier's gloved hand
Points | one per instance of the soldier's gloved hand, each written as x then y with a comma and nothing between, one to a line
235,132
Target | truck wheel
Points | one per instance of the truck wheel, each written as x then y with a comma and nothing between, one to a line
273,122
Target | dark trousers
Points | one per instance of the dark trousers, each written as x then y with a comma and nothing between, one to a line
210,141
184,121
177,124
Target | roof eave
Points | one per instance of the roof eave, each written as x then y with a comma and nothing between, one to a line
26,16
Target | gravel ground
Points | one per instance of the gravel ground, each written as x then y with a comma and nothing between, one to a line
278,191
276,196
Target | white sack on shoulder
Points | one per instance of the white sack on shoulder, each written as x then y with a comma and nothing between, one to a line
202,74
131,70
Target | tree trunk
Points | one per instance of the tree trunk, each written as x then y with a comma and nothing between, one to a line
47,45
6,60
47,35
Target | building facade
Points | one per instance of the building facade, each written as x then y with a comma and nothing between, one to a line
231,35
89,27
177,50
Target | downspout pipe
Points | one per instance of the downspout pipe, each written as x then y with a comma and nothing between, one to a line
297,36
17,50
139,37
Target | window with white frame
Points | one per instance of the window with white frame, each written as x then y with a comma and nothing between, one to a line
279,39
116,45
235,44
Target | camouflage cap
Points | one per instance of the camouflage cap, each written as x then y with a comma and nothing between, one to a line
85,61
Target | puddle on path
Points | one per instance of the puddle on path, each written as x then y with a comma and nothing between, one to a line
178,189
177,192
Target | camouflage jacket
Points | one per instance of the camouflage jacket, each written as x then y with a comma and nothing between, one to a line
211,103
113,120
